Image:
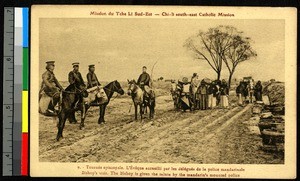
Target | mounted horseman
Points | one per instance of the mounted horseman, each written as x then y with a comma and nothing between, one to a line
75,79
50,88
147,99
92,79
144,81
75,76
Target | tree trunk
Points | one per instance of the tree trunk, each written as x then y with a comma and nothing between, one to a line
230,76
229,79
219,75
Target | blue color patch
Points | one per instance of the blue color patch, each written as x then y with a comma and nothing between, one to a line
25,27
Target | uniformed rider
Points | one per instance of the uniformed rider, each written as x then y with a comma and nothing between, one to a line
92,79
144,80
75,76
51,86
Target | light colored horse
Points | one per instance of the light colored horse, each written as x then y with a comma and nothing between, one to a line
137,96
141,99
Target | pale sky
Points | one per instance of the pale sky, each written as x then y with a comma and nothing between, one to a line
120,47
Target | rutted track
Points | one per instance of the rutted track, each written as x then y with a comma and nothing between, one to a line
173,137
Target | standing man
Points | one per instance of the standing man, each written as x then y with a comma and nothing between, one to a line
194,87
224,94
92,79
212,93
239,93
144,80
51,86
203,95
258,91
75,76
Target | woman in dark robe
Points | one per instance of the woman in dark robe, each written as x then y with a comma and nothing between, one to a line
258,91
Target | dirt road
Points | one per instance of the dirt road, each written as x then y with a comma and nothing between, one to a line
210,136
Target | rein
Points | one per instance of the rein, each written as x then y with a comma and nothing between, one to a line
134,90
70,92
114,86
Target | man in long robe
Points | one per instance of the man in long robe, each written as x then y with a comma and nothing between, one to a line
51,86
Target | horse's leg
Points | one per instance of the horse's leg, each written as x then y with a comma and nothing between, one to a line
150,110
71,117
60,126
135,111
101,114
83,114
104,108
141,111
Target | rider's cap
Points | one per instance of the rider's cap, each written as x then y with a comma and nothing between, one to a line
50,62
91,66
194,74
144,67
75,64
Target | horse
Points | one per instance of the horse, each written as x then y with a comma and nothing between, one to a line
71,97
141,99
109,90
68,111
175,94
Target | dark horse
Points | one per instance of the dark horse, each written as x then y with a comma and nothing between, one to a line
141,99
71,97
68,108
109,90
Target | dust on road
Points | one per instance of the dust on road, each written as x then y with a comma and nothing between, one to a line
210,136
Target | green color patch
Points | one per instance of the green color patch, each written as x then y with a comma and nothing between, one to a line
25,68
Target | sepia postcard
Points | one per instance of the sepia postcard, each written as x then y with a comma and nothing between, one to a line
163,91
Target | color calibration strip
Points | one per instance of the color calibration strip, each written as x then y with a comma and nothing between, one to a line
15,92
24,158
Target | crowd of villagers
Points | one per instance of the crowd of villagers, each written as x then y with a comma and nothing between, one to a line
208,94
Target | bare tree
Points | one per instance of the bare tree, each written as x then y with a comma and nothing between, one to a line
221,44
210,46
239,51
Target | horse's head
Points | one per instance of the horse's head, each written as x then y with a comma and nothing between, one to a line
82,90
132,86
118,87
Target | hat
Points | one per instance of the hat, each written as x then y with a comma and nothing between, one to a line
91,66
75,64
50,62
194,74
144,67
185,80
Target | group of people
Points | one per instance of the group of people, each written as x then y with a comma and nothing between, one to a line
207,94
52,88
247,92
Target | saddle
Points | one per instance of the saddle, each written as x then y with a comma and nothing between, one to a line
148,93
44,102
96,96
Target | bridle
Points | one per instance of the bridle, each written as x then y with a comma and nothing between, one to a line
114,86
77,90
133,90
112,89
